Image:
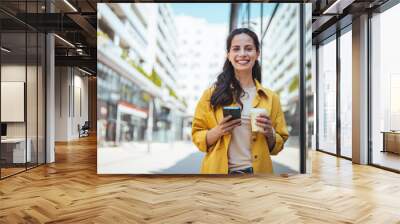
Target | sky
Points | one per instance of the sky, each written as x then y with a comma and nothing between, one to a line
212,12
217,12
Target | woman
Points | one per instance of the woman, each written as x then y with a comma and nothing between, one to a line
230,145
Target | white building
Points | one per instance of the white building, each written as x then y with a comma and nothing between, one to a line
138,42
201,55
281,54
147,33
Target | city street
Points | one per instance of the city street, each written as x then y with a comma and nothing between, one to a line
141,158
170,158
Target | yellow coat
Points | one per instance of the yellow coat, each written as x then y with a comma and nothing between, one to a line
216,158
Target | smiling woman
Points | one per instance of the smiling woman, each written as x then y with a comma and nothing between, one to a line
234,146
242,54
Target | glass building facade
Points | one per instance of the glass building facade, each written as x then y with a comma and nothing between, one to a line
284,37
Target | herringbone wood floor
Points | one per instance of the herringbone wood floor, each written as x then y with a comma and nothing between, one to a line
70,191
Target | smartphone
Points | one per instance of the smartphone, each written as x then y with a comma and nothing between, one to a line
233,111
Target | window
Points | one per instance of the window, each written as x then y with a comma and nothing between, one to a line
327,97
346,94
385,88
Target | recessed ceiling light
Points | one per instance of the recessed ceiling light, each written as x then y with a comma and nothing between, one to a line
86,72
64,40
70,5
5,50
338,6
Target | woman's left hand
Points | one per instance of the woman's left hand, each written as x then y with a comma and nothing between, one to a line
265,123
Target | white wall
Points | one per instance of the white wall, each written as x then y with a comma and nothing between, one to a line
61,103
12,73
80,110
33,126
71,94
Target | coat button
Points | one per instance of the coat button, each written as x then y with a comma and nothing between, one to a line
254,138
255,156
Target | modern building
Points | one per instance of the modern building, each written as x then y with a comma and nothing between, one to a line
147,107
201,56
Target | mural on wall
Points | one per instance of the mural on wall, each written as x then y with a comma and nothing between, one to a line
154,69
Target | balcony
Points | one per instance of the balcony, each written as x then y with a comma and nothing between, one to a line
120,29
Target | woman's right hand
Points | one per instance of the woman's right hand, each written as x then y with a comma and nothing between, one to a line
226,126
223,128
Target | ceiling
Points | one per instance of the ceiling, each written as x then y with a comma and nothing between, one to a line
74,22
330,15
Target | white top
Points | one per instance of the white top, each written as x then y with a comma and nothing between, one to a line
239,151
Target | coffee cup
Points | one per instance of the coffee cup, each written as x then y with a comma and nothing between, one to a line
254,113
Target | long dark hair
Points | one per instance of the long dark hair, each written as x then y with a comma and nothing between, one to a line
227,88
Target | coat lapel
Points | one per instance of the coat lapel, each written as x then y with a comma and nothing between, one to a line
256,100
260,90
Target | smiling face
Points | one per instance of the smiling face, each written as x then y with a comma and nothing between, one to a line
242,53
